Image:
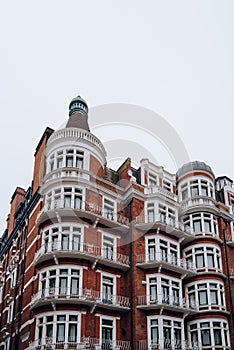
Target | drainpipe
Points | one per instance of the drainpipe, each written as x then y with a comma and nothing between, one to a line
17,339
4,291
228,271
131,275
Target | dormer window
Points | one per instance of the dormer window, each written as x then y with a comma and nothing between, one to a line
152,180
167,185
232,203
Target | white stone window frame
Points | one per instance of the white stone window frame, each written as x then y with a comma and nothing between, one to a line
211,321
1,291
155,207
167,185
189,220
204,246
157,238
232,229
54,199
231,203
114,202
209,306
60,232
62,153
65,313
114,238
7,343
160,328
58,275
187,183
109,318
13,278
10,312
114,277
153,179
159,278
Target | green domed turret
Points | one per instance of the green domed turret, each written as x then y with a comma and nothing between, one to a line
78,114
78,104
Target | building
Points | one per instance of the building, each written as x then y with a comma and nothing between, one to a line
94,258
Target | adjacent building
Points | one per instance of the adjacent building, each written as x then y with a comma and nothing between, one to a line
94,258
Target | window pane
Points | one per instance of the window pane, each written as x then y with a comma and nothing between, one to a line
205,335
202,296
61,332
72,333
200,261
217,337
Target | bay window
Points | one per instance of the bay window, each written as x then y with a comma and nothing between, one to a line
58,328
196,187
159,248
69,158
163,289
65,197
156,211
204,257
60,281
202,223
209,333
63,237
206,295
165,332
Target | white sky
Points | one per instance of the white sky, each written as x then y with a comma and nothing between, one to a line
173,57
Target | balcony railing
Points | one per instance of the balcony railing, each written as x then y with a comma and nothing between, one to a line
64,172
162,219
198,201
161,344
77,134
75,343
84,209
160,191
169,260
83,296
168,301
82,250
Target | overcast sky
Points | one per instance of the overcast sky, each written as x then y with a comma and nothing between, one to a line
173,57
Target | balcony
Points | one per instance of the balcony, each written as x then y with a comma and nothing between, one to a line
73,343
169,262
86,210
160,344
88,297
169,302
201,203
87,251
166,224
74,133
61,173
162,192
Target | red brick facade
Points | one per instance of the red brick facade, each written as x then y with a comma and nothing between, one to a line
99,259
